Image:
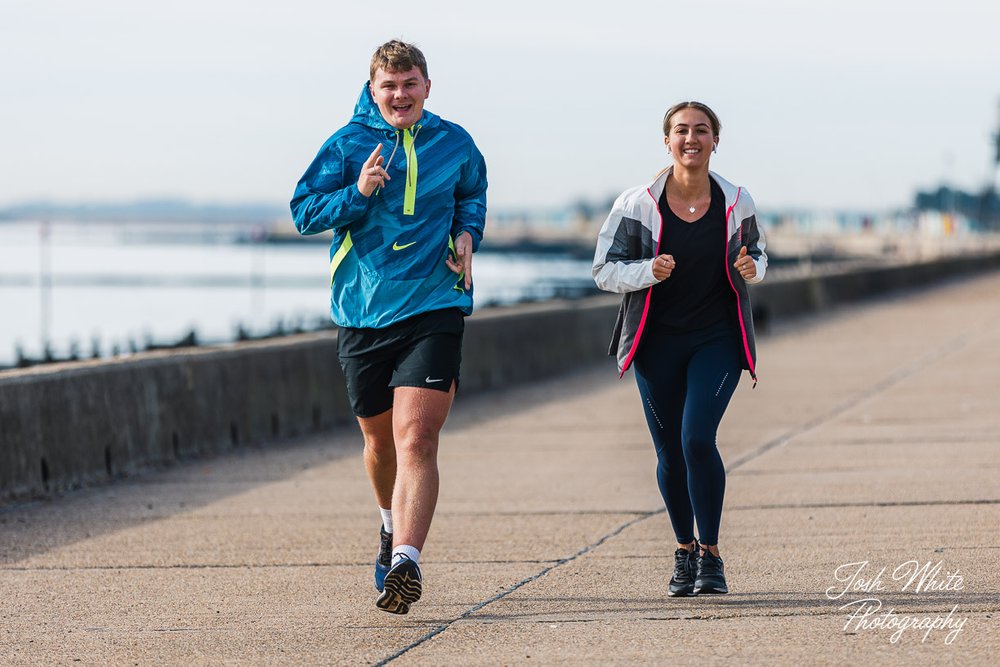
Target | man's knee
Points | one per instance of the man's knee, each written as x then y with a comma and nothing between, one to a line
417,440
380,446
377,434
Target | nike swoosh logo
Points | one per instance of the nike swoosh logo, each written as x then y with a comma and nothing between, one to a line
430,380
396,246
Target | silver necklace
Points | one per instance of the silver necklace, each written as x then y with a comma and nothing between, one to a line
692,208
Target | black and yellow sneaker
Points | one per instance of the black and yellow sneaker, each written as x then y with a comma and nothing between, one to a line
402,587
682,581
710,578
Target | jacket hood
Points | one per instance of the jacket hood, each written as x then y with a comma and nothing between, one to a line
366,113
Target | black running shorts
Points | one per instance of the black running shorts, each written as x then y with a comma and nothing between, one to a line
421,351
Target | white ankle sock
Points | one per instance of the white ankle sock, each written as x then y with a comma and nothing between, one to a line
405,550
386,519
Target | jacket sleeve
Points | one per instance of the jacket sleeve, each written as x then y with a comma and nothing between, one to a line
327,197
755,242
617,263
470,198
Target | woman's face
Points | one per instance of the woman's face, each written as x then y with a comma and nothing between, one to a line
690,141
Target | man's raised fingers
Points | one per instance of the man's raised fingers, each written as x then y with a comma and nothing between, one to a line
370,162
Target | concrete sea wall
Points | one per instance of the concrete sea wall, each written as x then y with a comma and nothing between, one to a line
63,426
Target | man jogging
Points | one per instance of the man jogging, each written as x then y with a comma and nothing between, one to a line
404,192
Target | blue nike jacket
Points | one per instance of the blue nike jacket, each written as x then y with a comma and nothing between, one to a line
387,259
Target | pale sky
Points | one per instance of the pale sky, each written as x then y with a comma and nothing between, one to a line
827,104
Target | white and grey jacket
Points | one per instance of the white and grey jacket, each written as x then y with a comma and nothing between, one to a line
629,241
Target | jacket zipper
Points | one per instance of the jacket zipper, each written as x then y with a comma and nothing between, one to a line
739,307
649,294
410,193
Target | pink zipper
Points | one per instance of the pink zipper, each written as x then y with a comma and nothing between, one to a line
739,308
649,294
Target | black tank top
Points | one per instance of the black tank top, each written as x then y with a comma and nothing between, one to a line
697,293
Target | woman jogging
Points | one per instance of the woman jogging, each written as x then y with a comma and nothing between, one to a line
682,251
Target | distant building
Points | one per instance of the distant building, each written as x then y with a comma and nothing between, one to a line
983,209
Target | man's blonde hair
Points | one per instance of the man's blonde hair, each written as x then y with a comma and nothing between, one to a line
397,56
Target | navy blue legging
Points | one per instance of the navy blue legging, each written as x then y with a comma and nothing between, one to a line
686,381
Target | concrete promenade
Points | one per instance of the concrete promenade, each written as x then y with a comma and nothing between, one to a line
872,436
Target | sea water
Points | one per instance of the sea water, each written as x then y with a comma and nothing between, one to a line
107,287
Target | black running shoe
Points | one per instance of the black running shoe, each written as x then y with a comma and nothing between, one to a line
402,588
384,559
710,578
682,581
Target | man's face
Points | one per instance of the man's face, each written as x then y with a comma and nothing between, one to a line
400,96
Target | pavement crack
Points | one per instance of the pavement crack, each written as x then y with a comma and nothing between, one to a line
515,513
174,566
253,566
873,503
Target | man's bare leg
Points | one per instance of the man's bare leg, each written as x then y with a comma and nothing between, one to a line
380,456
417,418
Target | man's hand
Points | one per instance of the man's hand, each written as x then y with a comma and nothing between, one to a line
663,266
463,254
372,174
745,265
